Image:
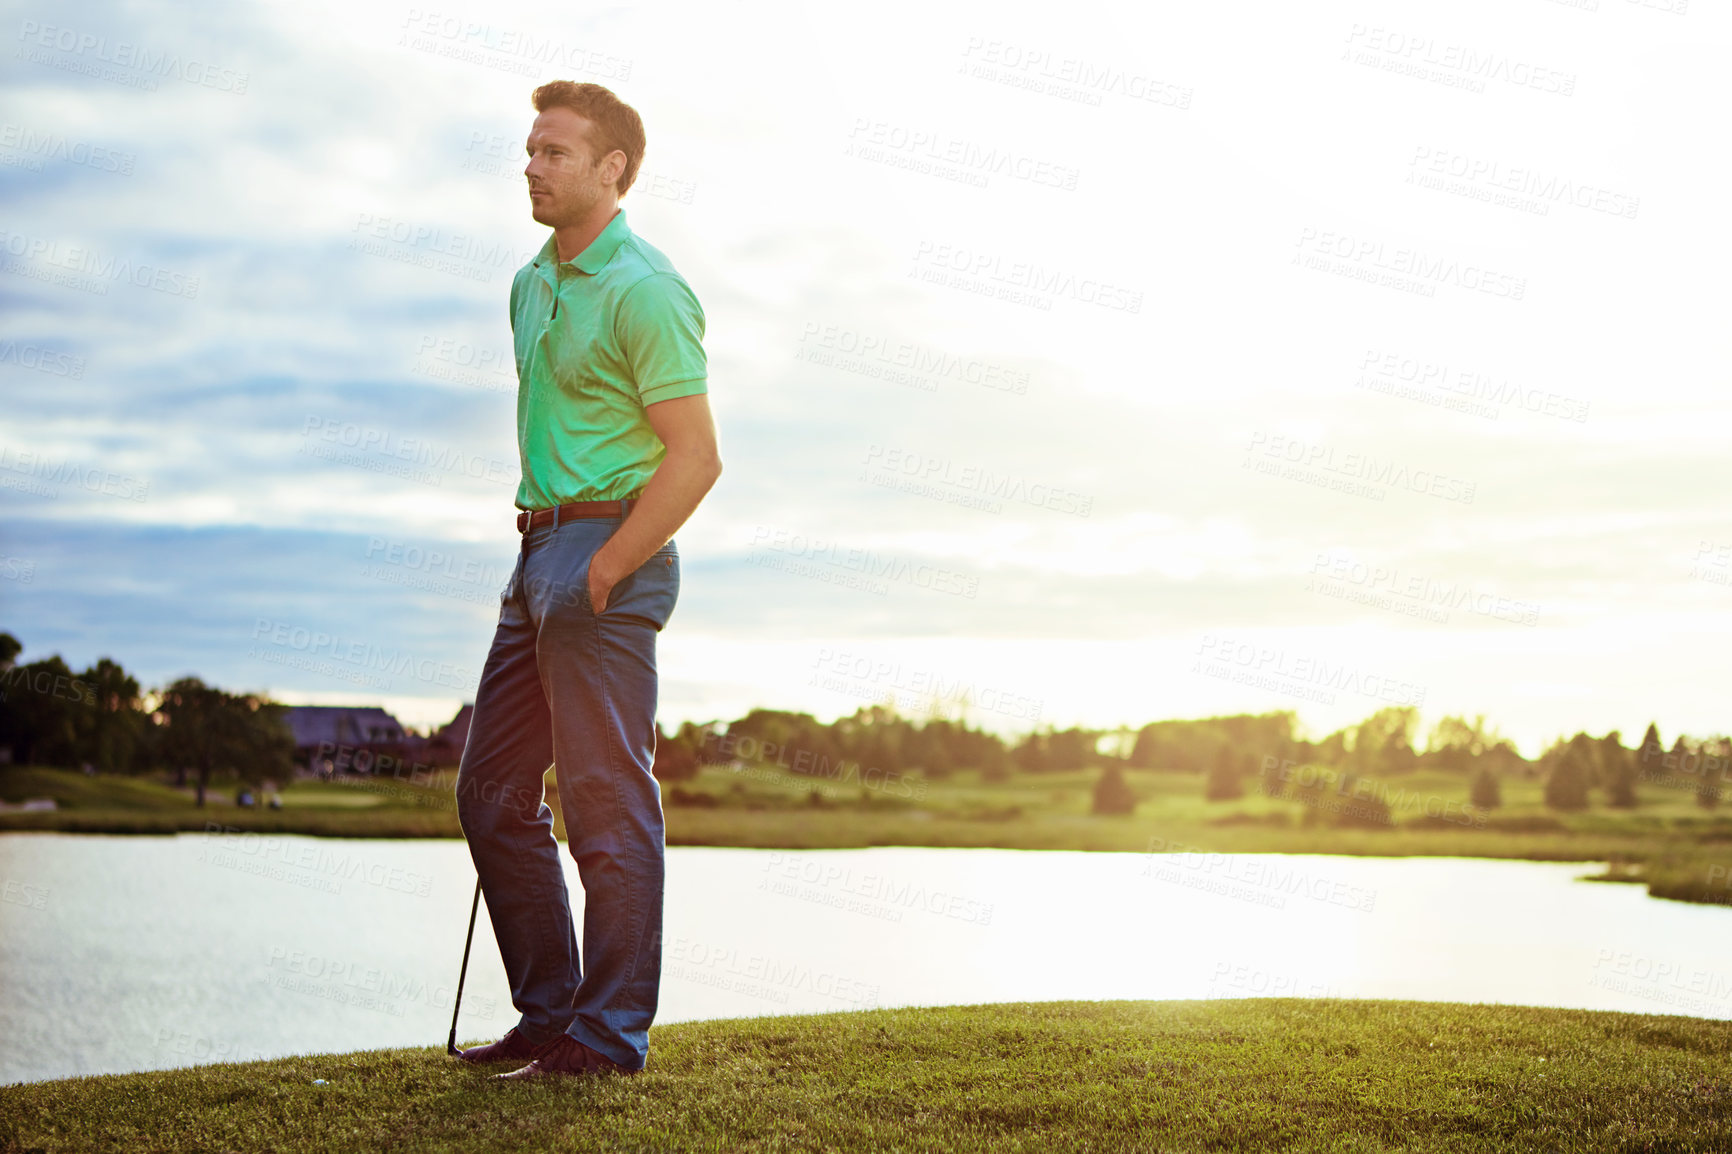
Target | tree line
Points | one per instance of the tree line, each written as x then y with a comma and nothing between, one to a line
1232,747
1232,753
101,718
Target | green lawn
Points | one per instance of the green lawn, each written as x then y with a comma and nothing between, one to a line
1219,1075
79,791
1667,841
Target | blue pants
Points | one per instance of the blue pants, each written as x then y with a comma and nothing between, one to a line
567,686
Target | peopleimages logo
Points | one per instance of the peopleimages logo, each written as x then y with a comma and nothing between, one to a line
95,56
865,564
1523,186
1266,667
872,679
894,462
1357,473
61,686
452,36
1370,259
1462,65
374,448
103,269
873,353
1461,388
35,472
931,150
43,145
51,361
1066,77
316,643
1021,282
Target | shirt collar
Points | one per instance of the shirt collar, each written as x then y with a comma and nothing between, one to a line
594,258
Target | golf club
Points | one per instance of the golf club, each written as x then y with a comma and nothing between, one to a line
457,1002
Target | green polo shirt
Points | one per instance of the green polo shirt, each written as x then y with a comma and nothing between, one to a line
597,339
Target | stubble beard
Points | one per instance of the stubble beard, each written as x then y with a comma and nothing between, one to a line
566,205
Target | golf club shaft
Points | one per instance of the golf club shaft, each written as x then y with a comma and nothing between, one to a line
457,1002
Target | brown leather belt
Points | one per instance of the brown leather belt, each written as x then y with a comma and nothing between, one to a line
534,519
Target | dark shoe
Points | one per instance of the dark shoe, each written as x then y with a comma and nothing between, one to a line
514,1047
567,1055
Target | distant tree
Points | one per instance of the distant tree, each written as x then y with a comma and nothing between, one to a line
877,741
1190,745
1505,760
1650,754
1457,744
1485,792
1678,760
209,730
262,747
1145,749
819,754
112,730
52,716
10,648
1169,745
1071,749
1331,751
800,743
1617,771
1383,742
946,745
677,755
1571,775
1708,792
1112,795
1717,761
1030,754
993,760
40,704
1224,781
923,748
710,747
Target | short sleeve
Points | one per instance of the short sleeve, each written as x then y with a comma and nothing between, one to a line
660,327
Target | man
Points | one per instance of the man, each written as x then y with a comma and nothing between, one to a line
617,447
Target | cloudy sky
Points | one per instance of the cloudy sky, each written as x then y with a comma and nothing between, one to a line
1089,364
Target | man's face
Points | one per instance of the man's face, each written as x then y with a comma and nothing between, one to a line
565,181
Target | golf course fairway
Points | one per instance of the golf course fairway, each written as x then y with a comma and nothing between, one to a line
1283,1074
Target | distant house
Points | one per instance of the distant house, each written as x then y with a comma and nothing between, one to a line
327,736
445,747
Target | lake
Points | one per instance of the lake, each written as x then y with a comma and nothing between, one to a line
135,953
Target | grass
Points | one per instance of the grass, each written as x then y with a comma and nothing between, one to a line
1219,1075
1667,843
81,791
360,807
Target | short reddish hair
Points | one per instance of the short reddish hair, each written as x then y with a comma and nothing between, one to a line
617,124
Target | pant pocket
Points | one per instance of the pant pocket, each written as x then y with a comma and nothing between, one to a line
649,591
